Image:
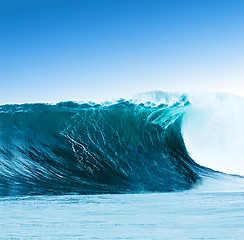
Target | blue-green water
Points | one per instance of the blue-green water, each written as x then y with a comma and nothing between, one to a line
186,215
123,170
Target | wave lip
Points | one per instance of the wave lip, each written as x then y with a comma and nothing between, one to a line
121,147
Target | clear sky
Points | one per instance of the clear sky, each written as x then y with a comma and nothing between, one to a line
100,49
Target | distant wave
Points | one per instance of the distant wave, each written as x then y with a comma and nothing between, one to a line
118,147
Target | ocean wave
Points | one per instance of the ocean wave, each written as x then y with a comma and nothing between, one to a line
88,148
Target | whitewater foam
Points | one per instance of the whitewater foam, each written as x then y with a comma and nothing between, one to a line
213,131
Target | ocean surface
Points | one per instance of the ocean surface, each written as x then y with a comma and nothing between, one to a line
184,215
158,166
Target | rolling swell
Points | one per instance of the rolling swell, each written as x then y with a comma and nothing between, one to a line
90,148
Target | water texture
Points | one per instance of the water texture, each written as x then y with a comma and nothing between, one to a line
120,147
158,166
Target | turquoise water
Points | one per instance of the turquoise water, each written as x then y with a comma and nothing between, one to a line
91,171
184,215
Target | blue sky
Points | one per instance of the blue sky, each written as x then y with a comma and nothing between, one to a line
100,49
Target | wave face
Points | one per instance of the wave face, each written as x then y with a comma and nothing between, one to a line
89,148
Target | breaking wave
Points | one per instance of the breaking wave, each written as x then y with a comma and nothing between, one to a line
88,148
